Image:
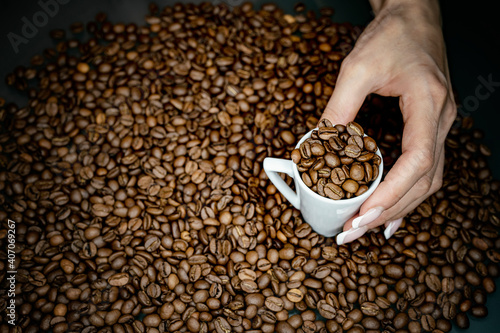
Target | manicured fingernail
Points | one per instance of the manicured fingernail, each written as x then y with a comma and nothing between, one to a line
350,235
392,227
368,217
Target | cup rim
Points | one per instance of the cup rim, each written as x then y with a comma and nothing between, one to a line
362,197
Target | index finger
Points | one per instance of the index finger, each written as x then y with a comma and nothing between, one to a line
419,139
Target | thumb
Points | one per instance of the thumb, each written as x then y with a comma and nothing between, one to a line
350,91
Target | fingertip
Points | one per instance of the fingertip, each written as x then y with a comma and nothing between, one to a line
391,227
348,95
342,109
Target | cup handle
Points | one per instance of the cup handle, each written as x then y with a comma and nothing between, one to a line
274,165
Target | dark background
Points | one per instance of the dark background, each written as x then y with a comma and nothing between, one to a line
471,30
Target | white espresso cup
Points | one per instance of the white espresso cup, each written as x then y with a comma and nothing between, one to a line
324,215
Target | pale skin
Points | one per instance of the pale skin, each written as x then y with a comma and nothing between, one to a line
401,53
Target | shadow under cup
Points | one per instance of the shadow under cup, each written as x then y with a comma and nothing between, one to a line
326,216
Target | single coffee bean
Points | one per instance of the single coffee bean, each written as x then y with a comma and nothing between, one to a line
331,160
462,320
296,156
338,176
317,149
305,150
324,173
326,310
325,133
313,175
371,323
368,172
307,179
318,164
370,144
333,191
401,320
346,161
350,186
394,271
479,311
362,189
307,163
337,143
295,295
221,325
352,151
357,171
370,309
449,310
433,282
414,327
354,128
324,123
274,304
428,323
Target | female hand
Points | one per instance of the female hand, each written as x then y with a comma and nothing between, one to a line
401,53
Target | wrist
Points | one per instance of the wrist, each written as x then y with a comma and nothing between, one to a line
427,9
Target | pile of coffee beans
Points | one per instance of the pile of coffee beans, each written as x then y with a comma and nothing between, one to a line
134,175
337,161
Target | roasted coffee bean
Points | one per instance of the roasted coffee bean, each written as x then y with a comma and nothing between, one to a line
462,320
428,322
350,186
324,173
355,129
295,295
305,150
352,151
338,176
479,311
296,156
333,191
449,310
221,325
319,164
433,282
371,323
336,143
362,189
325,133
357,171
274,304
307,180
324,123
317,149
370,144
326,310
331,160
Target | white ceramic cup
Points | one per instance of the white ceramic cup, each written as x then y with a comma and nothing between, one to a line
326,216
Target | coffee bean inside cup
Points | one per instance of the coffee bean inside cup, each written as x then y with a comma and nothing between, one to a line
337,162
